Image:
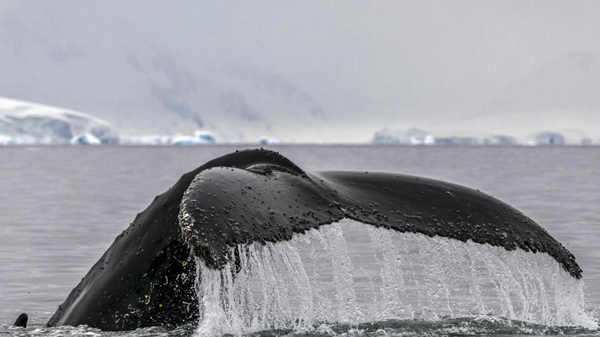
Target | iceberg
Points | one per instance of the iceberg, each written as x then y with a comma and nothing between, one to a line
457,140
204,137
200,137
6,140
29,123
268,141
411,136
85,139
546,138
499,140
183,140
146,140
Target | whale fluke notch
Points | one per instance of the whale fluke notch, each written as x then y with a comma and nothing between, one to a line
146,277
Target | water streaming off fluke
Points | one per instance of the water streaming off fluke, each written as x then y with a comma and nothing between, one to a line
348,272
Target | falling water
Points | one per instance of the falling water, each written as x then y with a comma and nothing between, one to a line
349,272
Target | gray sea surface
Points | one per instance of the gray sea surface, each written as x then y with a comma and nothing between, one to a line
62,207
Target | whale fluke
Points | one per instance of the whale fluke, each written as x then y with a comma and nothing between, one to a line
21,321
225,206
146,277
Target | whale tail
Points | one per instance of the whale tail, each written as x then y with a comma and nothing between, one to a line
21,321
147,276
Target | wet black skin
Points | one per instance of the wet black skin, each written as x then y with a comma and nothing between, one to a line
146,278
21,321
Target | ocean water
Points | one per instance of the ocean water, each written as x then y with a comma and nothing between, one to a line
61,207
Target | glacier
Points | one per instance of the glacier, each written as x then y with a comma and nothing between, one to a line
411,136
546,138
200,137
26,123
85,139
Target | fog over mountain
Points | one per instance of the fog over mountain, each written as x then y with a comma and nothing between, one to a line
561,96
309,71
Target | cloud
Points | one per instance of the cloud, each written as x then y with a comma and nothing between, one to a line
367,64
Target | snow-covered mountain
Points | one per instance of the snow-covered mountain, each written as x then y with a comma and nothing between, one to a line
563,96
143,89
147,77
29,123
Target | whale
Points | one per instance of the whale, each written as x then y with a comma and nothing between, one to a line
147,276
21,321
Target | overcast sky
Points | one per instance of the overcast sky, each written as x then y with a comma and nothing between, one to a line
369,63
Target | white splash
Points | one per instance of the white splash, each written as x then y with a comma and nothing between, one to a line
349,272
